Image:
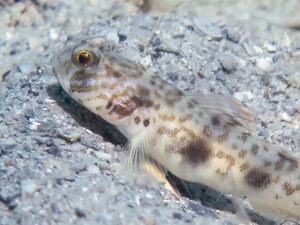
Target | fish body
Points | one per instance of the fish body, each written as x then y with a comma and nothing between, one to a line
204,139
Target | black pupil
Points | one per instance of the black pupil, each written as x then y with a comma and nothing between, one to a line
84,58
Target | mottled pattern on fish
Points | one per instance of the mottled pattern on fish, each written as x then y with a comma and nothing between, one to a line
205,139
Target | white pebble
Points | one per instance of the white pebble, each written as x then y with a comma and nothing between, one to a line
102,155
109,146
286,41
113,36
26,67
257,50
269,47
33,124
53,34
28,186
243,95
146,61
264,64
93,169
285,117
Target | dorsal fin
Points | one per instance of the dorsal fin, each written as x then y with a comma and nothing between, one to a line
227,108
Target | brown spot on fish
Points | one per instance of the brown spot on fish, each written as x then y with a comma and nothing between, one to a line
222,138
111,71
289,189
170,102
242,154
254,149
234,146
197,151
185,118
102,96
161,85
229,158
258,178
207,132
220,154
190,105
160,131
244,167
188,131
267,163
99,107
266,149
147,103
244,137
109,104
146,123
179,93
143,91
137,120
152,81
170,132
127,108
157,107
137,101
166,117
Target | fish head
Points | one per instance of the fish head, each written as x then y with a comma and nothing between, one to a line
102,81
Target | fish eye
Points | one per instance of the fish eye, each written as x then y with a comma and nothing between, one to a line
84,58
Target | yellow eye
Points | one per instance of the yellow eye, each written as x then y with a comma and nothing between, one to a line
84,58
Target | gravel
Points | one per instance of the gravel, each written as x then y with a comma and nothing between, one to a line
60,164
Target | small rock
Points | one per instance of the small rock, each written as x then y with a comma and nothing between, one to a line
53,34
220,75
34,125
7,144
28,186
228,62
243,95
79,212
149,220
289,106
269,47
26,67
102,155
113,36
93,169
285,117
296,140
70,135
54,150
257,50
109,146
146,61
177,216
264,64
29,113
211,30
232,36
